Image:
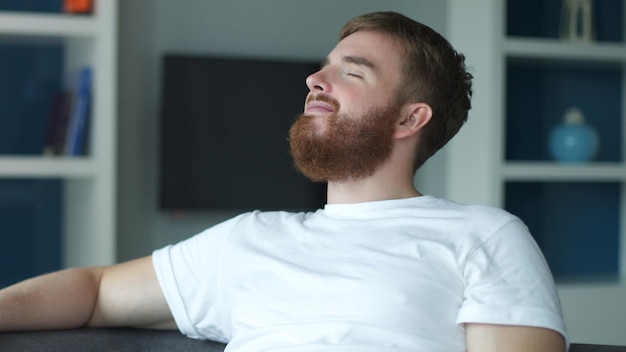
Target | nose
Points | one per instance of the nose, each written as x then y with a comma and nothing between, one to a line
317,82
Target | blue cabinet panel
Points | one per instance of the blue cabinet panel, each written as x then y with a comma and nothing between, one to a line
30,228
575,224
53,6
541,18
30,75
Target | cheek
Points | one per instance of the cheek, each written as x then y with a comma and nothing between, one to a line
361,103
353,106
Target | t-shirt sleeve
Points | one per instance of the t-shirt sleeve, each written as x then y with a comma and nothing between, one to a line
508,282
188,273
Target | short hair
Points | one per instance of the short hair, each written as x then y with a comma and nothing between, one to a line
433,73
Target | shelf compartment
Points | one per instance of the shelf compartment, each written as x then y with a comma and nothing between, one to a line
576,225
35,71
542,19
538,94
30,228
31,75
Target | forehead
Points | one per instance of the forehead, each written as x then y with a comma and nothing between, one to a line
383,52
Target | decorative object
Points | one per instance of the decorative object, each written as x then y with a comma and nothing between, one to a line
577,20
574,140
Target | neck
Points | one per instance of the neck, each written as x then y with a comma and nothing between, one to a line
380,186
392,180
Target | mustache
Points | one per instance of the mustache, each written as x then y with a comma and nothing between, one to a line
324,98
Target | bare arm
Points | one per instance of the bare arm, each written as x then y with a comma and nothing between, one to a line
496,338
126,294
130,295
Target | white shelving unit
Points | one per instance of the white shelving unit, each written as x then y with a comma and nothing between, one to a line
476,166
89,181
593,56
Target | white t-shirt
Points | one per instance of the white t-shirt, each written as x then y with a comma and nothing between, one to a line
396,275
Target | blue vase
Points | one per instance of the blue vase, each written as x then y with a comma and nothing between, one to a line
573,140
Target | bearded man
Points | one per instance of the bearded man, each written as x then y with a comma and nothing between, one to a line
380,268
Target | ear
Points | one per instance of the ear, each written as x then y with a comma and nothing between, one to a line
415,116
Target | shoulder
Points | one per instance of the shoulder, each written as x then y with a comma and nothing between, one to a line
475,218
482,229
472,210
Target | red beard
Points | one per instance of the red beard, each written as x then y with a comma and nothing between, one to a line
343,147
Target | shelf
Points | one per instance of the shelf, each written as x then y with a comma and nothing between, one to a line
46,167
47,25
550,171
554,49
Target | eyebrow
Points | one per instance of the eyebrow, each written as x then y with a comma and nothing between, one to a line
358,60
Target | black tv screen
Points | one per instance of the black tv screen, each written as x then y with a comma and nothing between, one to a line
224,135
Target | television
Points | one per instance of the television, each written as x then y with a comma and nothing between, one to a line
224,134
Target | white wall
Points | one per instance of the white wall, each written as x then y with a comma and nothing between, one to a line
595,312
291,29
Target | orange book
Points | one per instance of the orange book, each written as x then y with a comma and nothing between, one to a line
78,6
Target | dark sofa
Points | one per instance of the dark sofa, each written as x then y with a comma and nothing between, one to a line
139,340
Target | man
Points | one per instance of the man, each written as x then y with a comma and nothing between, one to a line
380,268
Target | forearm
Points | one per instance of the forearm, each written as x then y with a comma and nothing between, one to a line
60,300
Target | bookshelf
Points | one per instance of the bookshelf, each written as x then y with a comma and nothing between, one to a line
543,76
85,184
526,76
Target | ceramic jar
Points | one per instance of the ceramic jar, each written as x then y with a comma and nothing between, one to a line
574,140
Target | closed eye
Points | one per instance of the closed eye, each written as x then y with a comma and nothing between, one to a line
350,72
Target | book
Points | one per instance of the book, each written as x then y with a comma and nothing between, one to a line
78,6
56,129
79,119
